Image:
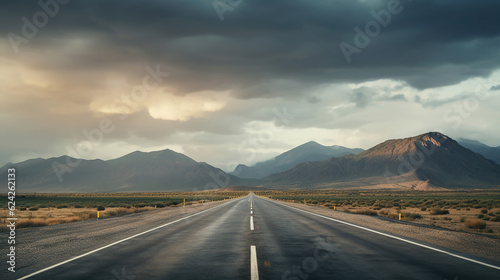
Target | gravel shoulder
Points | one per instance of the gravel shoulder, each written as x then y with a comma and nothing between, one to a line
40,247
472,244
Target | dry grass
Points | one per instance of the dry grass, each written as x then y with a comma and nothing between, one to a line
475,224
124,211
53,216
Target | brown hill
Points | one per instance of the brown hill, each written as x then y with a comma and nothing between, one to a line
426,161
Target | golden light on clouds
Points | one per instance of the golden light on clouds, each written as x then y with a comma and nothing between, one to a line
163,106
182,108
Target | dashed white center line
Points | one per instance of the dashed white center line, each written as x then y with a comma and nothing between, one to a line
254,269
251,222
251,212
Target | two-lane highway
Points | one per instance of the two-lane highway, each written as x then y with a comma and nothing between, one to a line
278,241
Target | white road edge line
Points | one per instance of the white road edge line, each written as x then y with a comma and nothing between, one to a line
398,238
114,243
251,222
254,269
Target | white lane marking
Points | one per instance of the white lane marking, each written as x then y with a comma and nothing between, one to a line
119,241
398,238
251,212
254,269
251,222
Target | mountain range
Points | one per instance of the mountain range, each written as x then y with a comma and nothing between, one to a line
427,161
138,171
424,162
486,151
310,151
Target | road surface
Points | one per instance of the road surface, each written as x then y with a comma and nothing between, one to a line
256,238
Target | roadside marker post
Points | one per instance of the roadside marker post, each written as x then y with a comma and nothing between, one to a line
184,202
400,216
98,215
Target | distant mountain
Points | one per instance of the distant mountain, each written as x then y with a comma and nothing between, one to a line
310,151
426,161
138,171
488,152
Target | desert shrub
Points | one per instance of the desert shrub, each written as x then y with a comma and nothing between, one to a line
393,215
382,212
415,216
462,219
31,223
480,216
475,224
447,219
365,212
484,210
423,208
22,209
439,212
34,208
495,219
101,208
78,206
62,206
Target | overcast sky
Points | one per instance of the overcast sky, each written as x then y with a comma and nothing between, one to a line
239,81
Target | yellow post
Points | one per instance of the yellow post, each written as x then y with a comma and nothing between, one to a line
184,202
400,216
155,206
333,207
98,214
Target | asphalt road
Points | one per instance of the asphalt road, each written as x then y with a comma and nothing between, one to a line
288,244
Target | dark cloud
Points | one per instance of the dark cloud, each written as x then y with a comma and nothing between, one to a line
497,87
428,44
362,97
